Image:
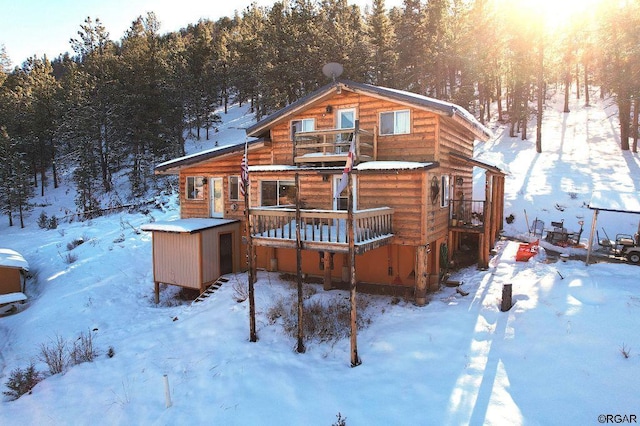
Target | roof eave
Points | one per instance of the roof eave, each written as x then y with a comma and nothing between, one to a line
173,167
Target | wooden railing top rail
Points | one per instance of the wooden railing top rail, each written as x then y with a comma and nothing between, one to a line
318,213
322,132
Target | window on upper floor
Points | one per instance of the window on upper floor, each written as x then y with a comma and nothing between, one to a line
195,187
303,125
395,122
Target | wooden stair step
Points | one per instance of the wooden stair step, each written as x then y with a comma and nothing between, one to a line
211,289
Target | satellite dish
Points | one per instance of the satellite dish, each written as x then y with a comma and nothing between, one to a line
332,70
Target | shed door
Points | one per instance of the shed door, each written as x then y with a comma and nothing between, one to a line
226,253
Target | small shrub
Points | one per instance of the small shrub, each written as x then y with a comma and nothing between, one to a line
325,321
510,219
625,351
111,352
74,243
53,223
43,221
21,381
240,291
55,355
119,240
82,350
340,421
70,258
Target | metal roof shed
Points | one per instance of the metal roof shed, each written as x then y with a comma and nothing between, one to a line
194,253
611,201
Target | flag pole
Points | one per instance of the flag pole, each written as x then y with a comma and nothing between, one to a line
246,189
355,359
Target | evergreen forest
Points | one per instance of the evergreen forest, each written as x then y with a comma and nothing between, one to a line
112,108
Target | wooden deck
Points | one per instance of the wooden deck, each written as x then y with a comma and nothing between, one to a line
321,230
332,145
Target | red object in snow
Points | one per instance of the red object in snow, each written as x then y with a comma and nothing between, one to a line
526,251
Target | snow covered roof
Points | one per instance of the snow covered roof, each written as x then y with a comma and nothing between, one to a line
172,166
366,166
186,225
392,165
475,162
271,168
615,201
12,259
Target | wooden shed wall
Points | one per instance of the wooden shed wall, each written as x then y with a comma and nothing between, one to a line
192,260
176,259
10,280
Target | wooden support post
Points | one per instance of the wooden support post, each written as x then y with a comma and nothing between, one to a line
300,347
422,275
327,271
251,264
157,291
355,360
506,298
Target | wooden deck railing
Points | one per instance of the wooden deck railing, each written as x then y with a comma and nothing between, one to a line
469,214
332,145
320,229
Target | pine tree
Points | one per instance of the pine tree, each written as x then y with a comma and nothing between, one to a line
15,189
96,54
382,37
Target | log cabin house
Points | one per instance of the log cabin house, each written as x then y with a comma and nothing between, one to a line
410,187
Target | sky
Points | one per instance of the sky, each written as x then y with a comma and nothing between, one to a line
40,27
567,352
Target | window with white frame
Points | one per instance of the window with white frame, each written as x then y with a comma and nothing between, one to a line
303,125
195,187
234,188
277,192
445,191
395,122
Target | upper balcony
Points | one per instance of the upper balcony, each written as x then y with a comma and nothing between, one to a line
321,229
332,145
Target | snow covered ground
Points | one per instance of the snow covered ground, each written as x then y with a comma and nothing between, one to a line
555,358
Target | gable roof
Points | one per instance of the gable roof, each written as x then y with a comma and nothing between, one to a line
443,108
477,163
173,166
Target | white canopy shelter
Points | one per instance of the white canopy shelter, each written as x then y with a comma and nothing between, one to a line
611,201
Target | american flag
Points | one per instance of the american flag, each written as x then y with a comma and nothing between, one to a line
244,173
344,180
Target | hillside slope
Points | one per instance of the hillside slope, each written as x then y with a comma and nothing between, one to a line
567,351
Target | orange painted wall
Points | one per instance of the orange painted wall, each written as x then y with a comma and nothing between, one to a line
10,280
372,267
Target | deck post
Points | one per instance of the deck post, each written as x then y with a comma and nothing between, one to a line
250,260
300,347
327,270
157,292
422,275
355,360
